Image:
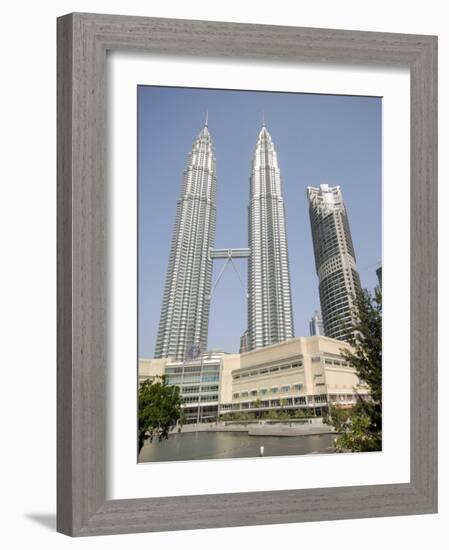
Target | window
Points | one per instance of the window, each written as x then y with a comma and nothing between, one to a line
191,379
285,389
297,387
253,393
274,390
171,370
320,398
192,369
244,394
190,389
173,379
235,395
209,388
191,399
210,378
209,398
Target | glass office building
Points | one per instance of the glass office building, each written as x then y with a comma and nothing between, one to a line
199,382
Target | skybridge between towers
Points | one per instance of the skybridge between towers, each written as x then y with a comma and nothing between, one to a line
229,254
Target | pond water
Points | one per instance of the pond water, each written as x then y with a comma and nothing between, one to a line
207,445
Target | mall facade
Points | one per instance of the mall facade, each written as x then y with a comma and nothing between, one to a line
307,373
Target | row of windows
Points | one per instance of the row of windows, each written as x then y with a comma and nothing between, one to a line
196,389
265,391
334,362
351,397
287,402
268,370
195,379
202,398
192,369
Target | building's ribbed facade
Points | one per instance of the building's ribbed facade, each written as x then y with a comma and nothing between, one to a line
335,259
270,318
183,326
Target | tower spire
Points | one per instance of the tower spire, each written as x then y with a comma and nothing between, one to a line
207,118
270,314
263,118
184,320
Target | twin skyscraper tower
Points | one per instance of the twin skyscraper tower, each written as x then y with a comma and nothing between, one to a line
184,321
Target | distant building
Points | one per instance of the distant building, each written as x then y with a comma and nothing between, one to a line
301,373
379,275
335,260
316,326
244,342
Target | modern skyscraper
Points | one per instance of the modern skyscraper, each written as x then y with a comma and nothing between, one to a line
270,318
316,327
335,259
183,325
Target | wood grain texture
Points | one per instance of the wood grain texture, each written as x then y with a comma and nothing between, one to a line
64,275
83,40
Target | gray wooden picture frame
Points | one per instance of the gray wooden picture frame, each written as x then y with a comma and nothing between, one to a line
83,40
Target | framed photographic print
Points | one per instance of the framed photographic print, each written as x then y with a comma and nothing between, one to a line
237,204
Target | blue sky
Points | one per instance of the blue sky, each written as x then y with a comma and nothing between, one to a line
318,138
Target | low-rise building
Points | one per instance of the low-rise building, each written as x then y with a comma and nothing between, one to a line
204,382
306,373
151,369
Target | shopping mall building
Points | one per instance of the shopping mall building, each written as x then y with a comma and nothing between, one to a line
306,373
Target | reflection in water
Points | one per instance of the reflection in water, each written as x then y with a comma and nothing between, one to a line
203,445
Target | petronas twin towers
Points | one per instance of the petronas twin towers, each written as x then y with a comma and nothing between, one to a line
270,317
183,326
184,321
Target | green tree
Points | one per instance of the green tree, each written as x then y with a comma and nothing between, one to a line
337,417
362,430
160,410
257,405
